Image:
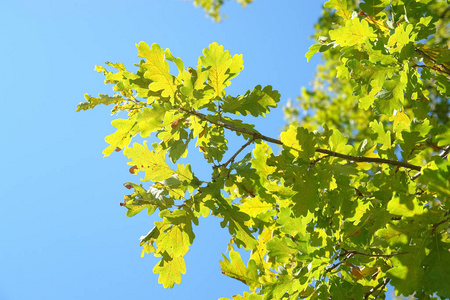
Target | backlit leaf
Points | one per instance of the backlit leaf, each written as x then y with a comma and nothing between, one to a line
157,69
151,162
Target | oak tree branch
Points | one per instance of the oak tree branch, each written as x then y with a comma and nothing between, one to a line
258,136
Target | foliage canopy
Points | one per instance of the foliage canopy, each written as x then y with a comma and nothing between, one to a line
355,193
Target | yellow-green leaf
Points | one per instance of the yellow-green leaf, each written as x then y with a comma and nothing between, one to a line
126,129
236,269
151,162
400,38
354,32
253,206
170,270
341,7
218,62
157,69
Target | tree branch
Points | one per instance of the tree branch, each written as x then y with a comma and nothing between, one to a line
375,288
255,134
369,159
348,254
437,67
354,252
258,136
231,160
435,226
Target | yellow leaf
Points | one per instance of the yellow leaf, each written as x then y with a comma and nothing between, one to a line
170,270
401,122
151,162
126,129
354,32
218,62
340,6
254,206
400,38
157,69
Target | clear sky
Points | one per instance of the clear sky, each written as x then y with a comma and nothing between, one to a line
63,234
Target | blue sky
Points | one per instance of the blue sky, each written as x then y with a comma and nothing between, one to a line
63,234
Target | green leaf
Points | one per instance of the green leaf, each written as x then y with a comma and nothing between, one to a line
299,141
142,199
256,102
340,6
234,219
436,275
307,198
102,99
338,143
213,143
410,141
281,249
405,205
374,7
317,48
382,137
247,296
151,119
437,178
443,139
235,268
261,153
406,274
393,235
312,50
178,62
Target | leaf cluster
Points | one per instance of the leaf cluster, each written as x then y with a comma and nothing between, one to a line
355,193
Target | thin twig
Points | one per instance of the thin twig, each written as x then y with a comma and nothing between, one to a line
258,136
231,160
418,66
350,253
435,226
445,152
386,281
319,159
347,256
375,288
255,134
374,255
437,67
369,159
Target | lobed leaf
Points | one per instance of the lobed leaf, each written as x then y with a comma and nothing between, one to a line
256,102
